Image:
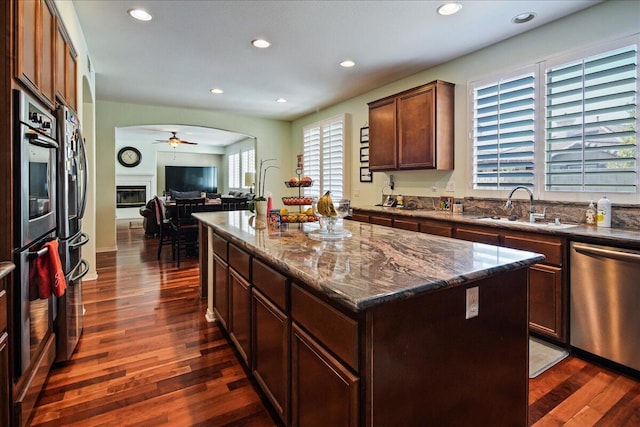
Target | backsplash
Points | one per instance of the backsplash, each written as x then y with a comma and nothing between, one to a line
623,216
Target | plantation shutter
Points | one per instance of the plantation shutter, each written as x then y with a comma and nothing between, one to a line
234,170
324,157
503,133
591,124
248,165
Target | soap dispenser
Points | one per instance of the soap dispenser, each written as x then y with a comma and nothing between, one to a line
604,212
590,214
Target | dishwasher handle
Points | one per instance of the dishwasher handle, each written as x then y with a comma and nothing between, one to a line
608,253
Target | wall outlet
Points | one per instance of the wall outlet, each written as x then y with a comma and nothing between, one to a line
451,187
434,188
473,303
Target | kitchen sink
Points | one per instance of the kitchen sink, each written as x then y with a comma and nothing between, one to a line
541,224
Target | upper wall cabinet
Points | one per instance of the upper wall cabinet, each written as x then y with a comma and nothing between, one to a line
413,129
45,59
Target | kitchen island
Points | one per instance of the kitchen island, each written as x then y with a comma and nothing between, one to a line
379,329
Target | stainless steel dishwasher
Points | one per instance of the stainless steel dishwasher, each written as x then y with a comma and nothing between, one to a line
605,302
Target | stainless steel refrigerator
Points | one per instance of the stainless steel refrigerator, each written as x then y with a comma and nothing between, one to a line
72,162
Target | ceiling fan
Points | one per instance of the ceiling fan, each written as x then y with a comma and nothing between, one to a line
174,141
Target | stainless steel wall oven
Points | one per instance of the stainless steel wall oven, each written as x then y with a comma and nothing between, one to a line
33,313
37,154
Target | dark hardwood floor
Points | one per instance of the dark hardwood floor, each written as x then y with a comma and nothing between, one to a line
147,357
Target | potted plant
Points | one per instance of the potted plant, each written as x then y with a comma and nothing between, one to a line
259,203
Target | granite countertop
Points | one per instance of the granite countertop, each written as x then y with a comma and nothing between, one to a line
376,265
613,236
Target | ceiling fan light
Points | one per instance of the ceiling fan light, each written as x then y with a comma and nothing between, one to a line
140,14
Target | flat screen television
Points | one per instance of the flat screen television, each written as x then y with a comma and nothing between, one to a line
191,178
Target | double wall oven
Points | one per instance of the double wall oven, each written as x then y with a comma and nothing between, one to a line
36,207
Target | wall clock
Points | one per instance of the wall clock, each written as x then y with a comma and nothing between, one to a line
129,157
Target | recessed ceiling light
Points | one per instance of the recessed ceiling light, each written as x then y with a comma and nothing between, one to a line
260,43
449,8
347,63
217,90
281,100
140,14
523,17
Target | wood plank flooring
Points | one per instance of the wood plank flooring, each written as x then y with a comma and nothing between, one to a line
147,357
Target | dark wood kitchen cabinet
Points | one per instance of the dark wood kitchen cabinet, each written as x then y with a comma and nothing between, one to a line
271,337
35,47
547,283
220,280
413,129
65,68
438,228
239,326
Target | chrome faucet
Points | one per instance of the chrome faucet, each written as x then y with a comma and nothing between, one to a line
532,211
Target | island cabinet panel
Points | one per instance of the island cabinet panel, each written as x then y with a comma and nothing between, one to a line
477,234
406,224
446,359
335,330
271,283
438,228
240,261
413,129
221,247
5,373
383,154
324,391
272,355
240,315
221,290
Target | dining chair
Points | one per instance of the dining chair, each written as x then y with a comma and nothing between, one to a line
185,226
165,230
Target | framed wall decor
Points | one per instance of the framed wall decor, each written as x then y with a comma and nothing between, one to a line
446,203
364,134
364,154
365,174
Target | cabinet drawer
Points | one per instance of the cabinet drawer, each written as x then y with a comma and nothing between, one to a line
381,220
271,283
220,246
552,248
240,261
334,329
477,234
3,311
406,224
360,217
437,228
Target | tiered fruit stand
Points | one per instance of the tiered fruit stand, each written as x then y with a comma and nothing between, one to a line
303,215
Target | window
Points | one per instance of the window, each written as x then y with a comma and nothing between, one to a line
324,157
564,125
503,133
591,123
238,164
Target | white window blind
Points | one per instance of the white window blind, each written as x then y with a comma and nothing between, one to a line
234,170
248,165
324,157
503,133
591,107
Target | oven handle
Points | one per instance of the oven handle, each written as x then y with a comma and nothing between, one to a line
83,273
77,242
38,253
44,143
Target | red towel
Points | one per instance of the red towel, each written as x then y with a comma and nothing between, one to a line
46,274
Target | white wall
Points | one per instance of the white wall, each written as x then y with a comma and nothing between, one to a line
606,21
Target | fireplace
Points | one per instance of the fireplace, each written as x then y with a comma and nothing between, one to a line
131,196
